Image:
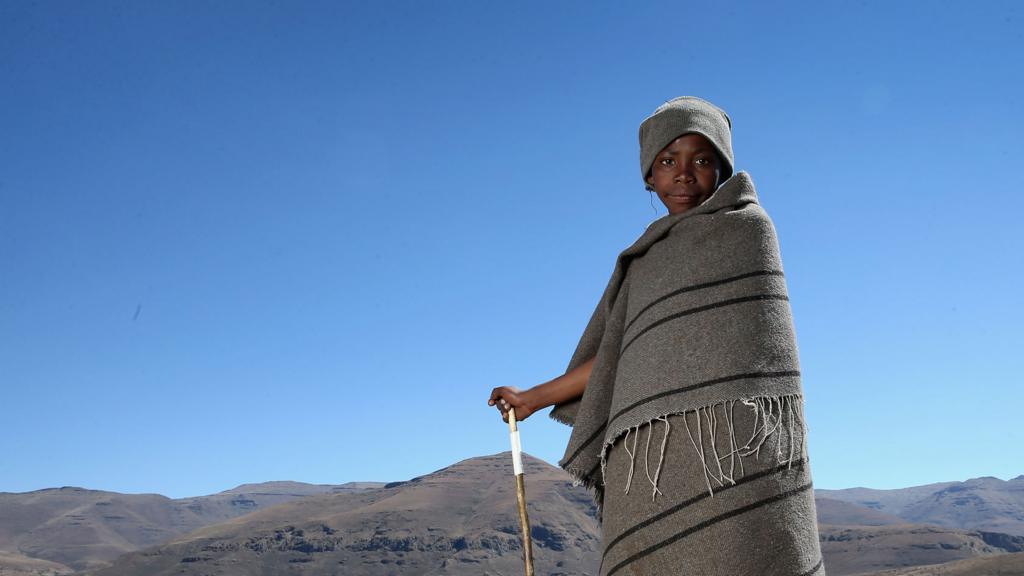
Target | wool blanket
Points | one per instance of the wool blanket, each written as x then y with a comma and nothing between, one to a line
693,341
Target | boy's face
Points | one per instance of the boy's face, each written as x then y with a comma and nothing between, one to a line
685,173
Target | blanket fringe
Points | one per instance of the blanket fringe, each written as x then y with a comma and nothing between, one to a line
579,478
557,416
779,429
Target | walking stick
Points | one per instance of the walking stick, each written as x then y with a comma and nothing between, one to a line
517,468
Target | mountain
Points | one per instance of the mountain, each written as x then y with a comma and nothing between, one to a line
75,528
947,526
461,520
458,520
986,503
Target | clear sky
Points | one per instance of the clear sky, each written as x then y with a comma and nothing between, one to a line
256,241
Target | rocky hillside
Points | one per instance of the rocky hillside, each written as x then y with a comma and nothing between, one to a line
458,520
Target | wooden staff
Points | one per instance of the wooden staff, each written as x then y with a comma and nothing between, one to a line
517,468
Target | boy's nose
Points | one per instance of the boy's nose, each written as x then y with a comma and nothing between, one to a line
684,174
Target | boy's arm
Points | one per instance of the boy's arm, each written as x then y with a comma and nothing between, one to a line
568,386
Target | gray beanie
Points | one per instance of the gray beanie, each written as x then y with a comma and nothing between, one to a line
686,115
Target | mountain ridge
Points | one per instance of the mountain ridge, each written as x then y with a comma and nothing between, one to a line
81,528
424,525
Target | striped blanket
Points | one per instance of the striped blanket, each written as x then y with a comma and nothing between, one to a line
690,431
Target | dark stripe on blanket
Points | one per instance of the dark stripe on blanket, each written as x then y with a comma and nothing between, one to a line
691,501
711,284
584,445
704,384
699,309
707,523
816,567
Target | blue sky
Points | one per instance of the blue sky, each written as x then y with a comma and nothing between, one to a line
243,242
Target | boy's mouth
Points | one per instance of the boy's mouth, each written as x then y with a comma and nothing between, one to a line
683,197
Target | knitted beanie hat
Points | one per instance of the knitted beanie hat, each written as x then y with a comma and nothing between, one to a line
686,115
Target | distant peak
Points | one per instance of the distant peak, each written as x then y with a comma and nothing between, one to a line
985,480
484,465
272,484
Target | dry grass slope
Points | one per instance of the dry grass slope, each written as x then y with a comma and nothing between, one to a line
1005,565
12,564
85,529
861,549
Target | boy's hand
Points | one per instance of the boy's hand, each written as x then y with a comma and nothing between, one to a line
505,397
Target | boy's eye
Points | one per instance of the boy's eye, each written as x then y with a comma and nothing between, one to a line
668,162
702,161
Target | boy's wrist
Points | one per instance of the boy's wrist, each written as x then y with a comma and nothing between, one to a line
530,399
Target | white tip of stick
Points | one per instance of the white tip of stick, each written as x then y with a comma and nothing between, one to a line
517,453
